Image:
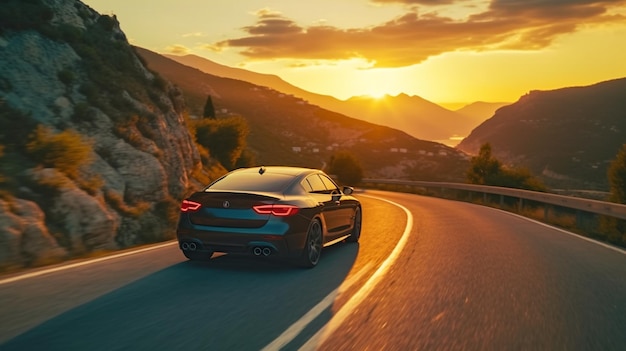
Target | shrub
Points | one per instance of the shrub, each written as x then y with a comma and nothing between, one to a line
617,177
66,151
224,138
485,169
346,167
66,77
116,201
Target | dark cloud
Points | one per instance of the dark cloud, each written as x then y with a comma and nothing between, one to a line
411,38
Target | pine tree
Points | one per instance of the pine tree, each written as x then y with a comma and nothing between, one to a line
209,110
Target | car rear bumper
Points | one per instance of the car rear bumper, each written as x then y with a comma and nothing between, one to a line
263,245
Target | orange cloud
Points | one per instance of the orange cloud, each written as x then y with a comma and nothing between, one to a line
413,37
178,49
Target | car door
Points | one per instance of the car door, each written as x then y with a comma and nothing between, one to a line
343,211
325,198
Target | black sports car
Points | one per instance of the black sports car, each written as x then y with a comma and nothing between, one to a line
285,212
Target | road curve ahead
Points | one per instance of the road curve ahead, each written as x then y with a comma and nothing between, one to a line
475,278
467,278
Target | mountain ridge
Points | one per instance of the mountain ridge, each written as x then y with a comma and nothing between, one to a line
417,116
568,136
291,123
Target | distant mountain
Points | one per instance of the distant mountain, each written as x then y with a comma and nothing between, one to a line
480,111
265,80
568,136
288,130
412,114
418,117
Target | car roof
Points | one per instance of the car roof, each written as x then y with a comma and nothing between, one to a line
286,170
272,179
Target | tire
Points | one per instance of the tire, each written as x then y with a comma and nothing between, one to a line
313,245
356,227
198,255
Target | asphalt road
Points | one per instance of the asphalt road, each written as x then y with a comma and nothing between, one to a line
461,277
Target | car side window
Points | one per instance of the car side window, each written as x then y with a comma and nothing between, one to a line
317,185
307,186
330,185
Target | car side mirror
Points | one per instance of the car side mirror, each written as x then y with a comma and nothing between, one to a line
348,190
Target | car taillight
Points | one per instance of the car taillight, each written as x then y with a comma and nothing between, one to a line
189,206
277,210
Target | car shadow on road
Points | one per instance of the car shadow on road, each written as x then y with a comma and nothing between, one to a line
229,303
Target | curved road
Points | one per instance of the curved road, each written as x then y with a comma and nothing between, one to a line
460,277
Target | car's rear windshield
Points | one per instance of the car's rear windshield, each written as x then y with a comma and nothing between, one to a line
253,182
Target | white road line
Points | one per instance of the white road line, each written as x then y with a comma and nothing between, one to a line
84,263
292,332
356,299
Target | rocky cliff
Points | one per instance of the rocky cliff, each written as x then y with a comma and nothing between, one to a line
69,80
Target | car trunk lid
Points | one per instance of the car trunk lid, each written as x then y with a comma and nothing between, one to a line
230,209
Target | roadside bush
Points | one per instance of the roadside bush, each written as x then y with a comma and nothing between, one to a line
66,151
485,169
116,201
346,167
617,177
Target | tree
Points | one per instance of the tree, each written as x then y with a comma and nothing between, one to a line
617,177
484,168
224,138
346,167
209,110
615,229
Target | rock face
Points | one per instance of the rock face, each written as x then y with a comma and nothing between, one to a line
24,239
76,71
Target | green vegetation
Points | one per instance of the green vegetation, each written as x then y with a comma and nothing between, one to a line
617,177
209,110
346,167
23,14
485,169
225,138
616,228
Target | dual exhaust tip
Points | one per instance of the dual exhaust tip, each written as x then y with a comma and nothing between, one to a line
189,246
258,251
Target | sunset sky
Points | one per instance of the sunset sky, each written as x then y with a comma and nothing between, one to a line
446,51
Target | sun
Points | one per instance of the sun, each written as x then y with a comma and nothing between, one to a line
377,95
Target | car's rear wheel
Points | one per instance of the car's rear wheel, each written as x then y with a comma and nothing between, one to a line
198,255
356,227
313,246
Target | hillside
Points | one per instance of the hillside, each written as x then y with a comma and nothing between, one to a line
288,130
568,136
480,111
418,117
94,152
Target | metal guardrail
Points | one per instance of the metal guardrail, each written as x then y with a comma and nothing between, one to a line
587,205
